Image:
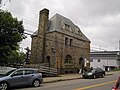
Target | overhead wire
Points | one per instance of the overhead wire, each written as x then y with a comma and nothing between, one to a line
32,23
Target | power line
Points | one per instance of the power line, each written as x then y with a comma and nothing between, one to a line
94,48
26,18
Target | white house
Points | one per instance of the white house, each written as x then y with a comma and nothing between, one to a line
105,59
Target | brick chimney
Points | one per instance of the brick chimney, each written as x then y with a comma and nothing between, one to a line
43,21
42,28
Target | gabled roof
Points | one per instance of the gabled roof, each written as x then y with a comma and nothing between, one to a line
57,22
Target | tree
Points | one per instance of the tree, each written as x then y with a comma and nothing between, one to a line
11,33
17,58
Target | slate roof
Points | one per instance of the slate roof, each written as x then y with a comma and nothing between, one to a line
57,22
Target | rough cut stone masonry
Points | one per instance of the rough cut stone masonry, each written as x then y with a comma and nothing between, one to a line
60,44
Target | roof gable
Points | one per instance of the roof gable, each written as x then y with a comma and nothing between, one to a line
64,25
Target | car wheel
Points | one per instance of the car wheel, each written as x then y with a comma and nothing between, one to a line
103,75
36,83
3,86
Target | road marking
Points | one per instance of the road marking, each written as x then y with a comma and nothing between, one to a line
96,85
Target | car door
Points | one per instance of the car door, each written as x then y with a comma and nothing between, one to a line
17,78
100,72
97,72
28,76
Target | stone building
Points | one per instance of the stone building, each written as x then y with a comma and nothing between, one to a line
59,43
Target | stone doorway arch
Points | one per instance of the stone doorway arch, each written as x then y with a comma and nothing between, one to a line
81,62
48,60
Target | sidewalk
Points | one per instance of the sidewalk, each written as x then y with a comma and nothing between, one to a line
69,77
61,78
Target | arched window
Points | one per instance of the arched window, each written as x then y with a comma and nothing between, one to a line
68,59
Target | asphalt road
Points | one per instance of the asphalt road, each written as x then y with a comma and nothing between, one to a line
79,84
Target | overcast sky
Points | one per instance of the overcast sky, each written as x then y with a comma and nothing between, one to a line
99,20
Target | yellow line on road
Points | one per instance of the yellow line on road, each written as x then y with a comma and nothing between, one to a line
87,87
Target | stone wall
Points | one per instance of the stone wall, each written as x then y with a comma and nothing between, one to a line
48,48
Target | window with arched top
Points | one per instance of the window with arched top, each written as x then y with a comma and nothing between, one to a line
68,59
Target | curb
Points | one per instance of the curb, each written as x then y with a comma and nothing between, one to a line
65,79
61,80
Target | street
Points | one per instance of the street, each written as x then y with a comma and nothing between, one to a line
79,84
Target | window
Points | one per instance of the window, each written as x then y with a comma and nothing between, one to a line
98,60
67,27
68,59
66,41
29,72
17,73
77,31
71,41
70,29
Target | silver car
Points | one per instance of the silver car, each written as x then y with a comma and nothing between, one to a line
21,77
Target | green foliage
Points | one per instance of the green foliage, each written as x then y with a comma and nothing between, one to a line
16,58
11,33
116,69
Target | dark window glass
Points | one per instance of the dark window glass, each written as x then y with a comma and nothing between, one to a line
67,27
71,41
29,72
68,59
66,41
20,72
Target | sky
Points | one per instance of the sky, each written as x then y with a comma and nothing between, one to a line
99,20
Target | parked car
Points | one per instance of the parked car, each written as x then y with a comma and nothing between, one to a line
20,77
117,85
93,73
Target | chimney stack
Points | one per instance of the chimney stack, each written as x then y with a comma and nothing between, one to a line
43,21
42,28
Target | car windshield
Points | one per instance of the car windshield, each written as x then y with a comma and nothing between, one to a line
8,73
91,70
